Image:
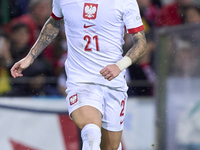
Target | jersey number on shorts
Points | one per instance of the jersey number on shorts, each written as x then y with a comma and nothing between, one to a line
123,105
88,39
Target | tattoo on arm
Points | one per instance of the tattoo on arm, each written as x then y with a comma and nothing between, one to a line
139,47
49,32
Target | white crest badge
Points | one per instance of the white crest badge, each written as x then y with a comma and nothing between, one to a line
90,11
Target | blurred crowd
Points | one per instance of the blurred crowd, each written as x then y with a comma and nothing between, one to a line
21,22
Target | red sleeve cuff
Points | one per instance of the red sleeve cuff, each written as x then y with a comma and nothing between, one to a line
135,30
55,17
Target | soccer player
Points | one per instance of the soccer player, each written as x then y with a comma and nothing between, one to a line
96,87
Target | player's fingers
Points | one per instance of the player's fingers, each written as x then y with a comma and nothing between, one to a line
12,73
110,78
12,70
103,71
107,76
16,74
16,71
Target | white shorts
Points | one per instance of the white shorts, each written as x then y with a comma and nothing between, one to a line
109,101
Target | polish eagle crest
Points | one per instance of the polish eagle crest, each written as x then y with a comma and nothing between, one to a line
90,11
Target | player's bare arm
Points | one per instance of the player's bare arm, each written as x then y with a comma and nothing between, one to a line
47,35
50,30
139,47
137,51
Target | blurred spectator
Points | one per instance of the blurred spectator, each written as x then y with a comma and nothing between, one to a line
39,12
10,9
60,47
192,14
142,73
149,12
34,81
172,14
59,52
5,59
157,3
19,41
37,81
41,77
140,76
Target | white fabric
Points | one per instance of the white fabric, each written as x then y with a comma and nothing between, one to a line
131,15
56,9
120,146
91,137
96,25
108,101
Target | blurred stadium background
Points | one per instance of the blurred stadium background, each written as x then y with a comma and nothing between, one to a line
163,109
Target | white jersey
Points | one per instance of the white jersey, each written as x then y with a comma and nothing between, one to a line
95,31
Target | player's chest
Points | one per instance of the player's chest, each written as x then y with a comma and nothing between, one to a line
76,12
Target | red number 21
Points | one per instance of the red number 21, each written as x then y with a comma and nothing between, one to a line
88,39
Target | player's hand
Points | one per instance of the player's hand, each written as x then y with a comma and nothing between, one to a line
16,70
110,72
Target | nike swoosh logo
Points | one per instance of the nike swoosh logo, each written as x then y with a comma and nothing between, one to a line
121,121
88,26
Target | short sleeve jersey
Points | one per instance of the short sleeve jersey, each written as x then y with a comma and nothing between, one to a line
95,31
